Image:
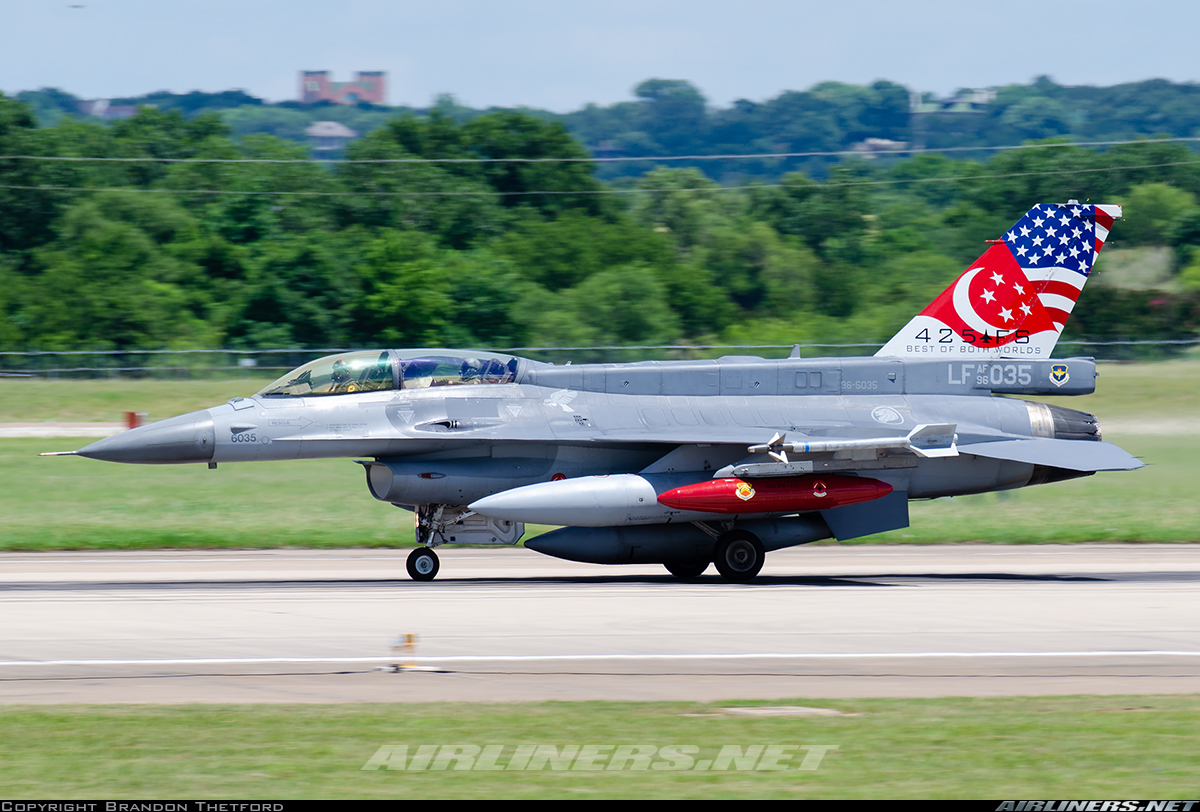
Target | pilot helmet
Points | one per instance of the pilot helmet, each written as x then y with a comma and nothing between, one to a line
341,371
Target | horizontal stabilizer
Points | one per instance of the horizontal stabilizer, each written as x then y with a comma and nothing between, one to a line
1074,455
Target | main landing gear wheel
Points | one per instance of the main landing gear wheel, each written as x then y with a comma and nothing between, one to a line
686,570
739,556
423,564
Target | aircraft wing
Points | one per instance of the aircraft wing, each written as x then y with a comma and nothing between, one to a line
725,435
1075,455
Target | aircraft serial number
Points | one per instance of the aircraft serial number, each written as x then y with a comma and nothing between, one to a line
860,386
245,438
991,374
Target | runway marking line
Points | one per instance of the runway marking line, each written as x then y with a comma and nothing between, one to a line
601,657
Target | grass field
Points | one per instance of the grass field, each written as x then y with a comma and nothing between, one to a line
64,400
1054,747
72,503
1169,389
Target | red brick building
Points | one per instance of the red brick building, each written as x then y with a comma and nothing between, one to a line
368,86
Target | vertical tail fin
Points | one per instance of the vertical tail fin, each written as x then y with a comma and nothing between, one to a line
1013,301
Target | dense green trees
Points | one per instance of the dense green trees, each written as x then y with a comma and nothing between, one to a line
671,116
534,252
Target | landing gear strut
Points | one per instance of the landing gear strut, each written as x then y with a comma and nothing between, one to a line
423,564
739,556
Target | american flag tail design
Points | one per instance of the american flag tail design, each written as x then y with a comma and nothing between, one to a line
1013,301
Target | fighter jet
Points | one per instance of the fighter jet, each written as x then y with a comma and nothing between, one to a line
697,462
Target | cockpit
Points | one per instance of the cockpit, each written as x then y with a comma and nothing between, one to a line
373,371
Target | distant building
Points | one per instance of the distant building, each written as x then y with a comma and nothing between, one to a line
964,101
870,147
953,121
330,136
368,86
100,108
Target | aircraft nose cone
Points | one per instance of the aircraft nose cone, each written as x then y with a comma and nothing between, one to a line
187,438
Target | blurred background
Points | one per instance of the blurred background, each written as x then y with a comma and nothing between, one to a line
223,230
666,182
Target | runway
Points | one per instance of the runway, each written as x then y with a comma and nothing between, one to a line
511,625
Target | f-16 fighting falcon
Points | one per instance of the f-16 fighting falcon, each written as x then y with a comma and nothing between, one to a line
691,463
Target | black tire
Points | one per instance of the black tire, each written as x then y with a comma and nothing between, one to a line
739,556
423,564
686,570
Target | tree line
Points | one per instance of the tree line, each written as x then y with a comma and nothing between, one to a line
501,254
673,117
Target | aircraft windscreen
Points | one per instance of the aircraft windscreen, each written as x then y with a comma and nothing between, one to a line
372,371
440,370
336,375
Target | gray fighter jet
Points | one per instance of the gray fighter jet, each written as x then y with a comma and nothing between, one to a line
688,463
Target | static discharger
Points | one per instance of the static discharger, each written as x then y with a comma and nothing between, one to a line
776,495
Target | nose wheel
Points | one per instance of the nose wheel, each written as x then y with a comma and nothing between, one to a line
739,556
422,564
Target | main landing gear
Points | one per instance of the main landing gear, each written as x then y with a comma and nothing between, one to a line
423,564
739,556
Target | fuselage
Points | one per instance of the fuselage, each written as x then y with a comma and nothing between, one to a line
460,441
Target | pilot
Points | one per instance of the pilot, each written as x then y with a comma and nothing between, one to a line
471,371
341,376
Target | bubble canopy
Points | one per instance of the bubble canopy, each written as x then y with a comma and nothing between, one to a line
376,370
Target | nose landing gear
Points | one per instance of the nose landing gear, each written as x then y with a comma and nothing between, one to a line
423,564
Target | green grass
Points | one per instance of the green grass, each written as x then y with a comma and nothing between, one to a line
1073,747
71,503
1152,391
1153,504
1165,389
74,503
34,400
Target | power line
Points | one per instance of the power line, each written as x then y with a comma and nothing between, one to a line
561,192
335,350
611,159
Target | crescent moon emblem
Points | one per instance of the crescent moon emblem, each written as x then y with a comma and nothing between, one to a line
962,305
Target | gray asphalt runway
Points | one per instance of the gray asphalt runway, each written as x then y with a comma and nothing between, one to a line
508,625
